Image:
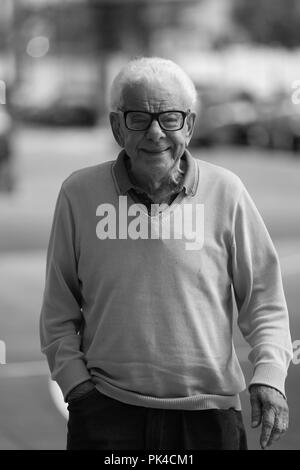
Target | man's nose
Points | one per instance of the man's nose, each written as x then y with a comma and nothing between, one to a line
155,132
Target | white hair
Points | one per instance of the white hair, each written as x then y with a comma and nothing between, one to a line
150,68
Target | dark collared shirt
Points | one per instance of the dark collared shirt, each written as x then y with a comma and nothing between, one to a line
126,186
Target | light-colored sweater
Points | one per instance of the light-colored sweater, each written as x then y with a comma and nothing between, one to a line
148,313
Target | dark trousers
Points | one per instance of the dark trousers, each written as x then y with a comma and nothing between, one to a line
97,422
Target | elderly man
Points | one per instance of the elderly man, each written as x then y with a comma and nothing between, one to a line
147,256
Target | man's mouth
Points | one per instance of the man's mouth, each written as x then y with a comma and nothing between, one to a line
154,151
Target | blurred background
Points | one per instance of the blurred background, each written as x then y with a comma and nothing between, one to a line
57,60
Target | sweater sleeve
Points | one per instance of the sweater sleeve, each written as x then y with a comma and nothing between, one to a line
262,310
61,315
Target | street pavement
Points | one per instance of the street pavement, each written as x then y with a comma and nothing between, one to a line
30,419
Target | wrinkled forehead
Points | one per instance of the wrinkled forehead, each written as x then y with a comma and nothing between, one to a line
154,95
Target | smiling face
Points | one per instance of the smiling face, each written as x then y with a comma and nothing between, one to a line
153,151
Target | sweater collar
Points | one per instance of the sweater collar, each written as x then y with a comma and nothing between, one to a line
124,183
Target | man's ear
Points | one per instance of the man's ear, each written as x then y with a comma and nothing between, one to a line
190,120
116,128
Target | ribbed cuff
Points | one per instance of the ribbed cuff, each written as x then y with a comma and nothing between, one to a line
71,375
268,374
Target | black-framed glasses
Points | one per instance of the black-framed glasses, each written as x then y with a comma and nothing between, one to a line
142,120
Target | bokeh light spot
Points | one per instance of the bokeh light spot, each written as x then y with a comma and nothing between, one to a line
38,47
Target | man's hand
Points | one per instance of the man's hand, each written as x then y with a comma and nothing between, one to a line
270,408
80,390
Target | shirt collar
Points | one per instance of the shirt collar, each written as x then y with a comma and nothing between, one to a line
124,183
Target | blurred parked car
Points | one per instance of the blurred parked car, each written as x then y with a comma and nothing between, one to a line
71,105
224,116
6,180
235,117
278,124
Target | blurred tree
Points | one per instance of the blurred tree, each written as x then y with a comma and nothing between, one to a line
274,22
128,26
